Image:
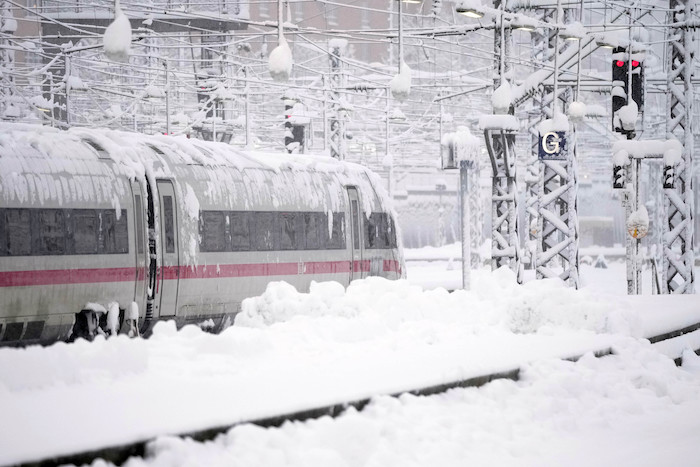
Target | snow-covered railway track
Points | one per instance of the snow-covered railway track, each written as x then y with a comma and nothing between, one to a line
120,454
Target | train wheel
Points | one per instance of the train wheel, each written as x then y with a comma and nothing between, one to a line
85,326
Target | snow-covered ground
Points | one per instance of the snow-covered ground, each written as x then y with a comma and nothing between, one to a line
291,351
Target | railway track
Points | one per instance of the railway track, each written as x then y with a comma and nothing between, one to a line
120,454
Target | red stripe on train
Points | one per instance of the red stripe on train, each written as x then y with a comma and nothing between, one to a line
66,276
97,275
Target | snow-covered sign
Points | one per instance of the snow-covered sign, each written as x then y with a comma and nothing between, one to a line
638,223
552,138
280,62
117,38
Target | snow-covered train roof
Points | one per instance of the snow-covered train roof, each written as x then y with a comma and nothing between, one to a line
46,164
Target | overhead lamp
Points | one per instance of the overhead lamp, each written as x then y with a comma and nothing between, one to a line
470,9
573,32
521,25
470,12
411,1
602,43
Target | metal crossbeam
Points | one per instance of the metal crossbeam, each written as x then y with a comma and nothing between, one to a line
678,261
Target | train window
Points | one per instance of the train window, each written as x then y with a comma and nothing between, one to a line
101,152
380,231
392,232
373,231
337,238
240,231
16,240
314,223
355,227
169,224
291,230
264,231
114,236
49,232
85,231
212,228
156,149
138,214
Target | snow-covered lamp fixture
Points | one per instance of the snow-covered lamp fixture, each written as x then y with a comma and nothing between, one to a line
411,1
524,23
117,37
573,32
604,42
470,9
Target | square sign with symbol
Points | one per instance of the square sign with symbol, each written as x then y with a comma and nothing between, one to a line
553,146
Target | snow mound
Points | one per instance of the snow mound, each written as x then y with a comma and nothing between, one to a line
496,300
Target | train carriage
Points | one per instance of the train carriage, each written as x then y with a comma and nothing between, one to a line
176,228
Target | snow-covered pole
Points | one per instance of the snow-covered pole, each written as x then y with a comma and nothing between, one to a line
555,94
280,17
67,78
167,97
578,59
400,2
247,107
464,166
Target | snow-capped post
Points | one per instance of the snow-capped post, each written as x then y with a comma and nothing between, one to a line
464,166
117,37
460,150
280,62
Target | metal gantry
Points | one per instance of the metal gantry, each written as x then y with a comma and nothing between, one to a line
499,133
557,221
678,261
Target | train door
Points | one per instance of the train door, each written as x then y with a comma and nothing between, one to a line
355,233
141,246
169,270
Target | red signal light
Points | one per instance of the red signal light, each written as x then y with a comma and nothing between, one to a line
635,63
620,63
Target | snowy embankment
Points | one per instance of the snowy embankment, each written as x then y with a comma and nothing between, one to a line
292,351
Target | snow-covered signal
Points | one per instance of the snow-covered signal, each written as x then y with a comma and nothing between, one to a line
620,80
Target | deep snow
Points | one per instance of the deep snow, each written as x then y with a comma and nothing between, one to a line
290,351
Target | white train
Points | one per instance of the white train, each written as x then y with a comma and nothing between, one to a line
178,229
